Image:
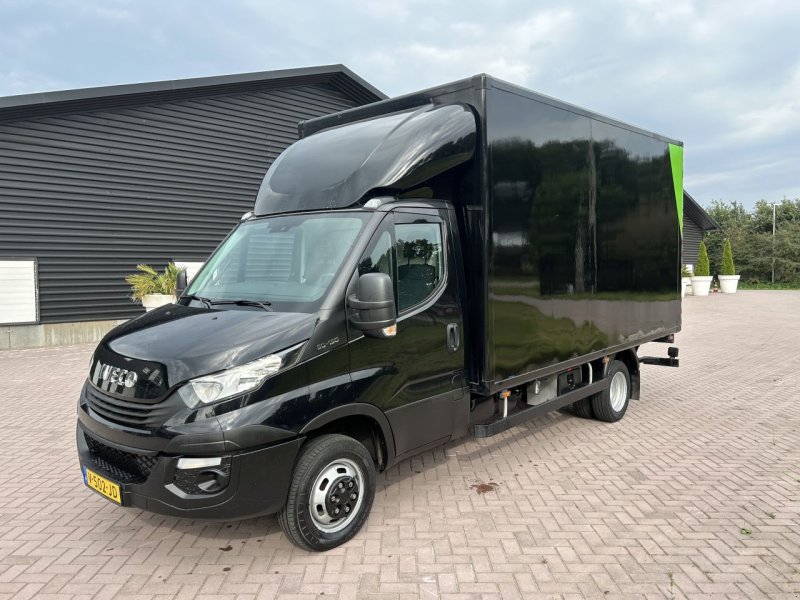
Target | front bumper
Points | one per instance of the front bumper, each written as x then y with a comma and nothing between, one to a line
257,481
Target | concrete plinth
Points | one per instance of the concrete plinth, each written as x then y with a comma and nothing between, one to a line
15,337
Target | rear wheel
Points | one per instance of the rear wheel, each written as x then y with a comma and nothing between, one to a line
331,493
610,405
583,409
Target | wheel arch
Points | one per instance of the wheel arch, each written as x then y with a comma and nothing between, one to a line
357,420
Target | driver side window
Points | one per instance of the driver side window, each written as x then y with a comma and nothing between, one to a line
420,262
415,261
380,259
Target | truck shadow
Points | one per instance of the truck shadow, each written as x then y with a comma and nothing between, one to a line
470,450
470,453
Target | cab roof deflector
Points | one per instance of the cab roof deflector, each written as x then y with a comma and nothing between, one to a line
339,167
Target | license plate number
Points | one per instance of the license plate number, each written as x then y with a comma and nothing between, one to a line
107,488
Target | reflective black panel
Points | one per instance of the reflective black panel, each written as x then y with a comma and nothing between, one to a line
583,228
337,167
636,214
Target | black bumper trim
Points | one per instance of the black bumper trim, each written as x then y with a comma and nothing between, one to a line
258,485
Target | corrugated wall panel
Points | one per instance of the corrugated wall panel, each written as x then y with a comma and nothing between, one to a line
692,236
92,194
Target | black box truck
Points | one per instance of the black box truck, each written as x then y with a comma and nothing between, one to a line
448,262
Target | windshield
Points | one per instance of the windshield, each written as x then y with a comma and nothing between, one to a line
287,262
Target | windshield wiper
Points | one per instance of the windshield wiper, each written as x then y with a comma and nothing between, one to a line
205,301
265,304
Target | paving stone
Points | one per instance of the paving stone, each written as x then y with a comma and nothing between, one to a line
695,493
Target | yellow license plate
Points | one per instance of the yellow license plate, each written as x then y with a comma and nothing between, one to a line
107,488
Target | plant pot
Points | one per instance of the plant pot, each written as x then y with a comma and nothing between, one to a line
151,301
686,283
728,283
701,285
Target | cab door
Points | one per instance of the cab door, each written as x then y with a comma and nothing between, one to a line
416,376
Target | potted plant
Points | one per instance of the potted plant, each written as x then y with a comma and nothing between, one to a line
701,280
728,279
153,288
686,281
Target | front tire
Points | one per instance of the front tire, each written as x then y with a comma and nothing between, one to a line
331,493
610,405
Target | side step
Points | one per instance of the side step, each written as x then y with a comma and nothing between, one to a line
501,425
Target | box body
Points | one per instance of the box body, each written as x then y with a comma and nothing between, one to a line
570,230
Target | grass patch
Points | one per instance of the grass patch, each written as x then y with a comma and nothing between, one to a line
758,285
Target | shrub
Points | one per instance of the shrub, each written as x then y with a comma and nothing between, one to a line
149,281
702,269
727,260
685,272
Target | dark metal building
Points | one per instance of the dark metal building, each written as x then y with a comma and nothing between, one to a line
94,181
696,222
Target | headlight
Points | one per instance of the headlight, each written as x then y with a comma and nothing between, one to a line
237,380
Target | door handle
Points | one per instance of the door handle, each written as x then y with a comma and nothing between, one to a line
453,338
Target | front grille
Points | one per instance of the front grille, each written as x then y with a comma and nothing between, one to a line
129,412
125,467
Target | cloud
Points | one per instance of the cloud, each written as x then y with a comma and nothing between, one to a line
780,114
720,76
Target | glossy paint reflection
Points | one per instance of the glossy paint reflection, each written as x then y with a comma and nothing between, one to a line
412,376
182,342
583,225
394,152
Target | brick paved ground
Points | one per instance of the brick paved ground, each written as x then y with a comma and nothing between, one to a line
696,493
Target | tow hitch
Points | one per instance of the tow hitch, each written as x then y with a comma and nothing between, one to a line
672,361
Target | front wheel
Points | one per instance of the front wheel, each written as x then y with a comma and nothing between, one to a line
610,405
331,493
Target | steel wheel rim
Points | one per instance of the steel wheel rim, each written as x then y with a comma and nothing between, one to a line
618,391
324,487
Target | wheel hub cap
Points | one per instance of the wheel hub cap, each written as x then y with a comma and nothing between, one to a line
342,498
336,495
618,391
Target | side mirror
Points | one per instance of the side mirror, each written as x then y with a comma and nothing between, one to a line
372,307
180,283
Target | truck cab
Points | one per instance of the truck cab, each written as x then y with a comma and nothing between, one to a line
287,300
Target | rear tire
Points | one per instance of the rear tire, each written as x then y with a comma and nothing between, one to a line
331,493
610,404
583,409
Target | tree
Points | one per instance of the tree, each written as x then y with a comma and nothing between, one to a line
787,212
702,269
729,216
787,253
727,260
734,222
751,233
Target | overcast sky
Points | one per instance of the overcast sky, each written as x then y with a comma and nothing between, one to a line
722,76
